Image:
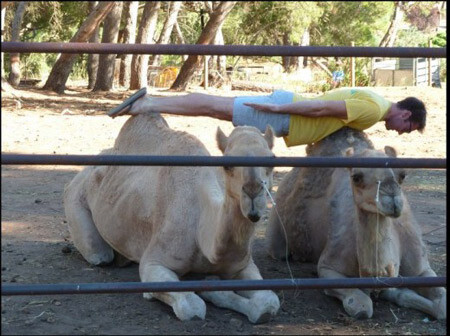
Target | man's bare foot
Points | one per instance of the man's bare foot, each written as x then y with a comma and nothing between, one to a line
125,107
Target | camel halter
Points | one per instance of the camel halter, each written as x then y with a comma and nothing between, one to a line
378,229
376,241
264,184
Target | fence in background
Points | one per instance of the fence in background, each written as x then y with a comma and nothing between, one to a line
110,48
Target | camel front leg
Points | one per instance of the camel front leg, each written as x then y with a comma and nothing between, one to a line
356,303
186,305
259,306
430,300
226,299
264,304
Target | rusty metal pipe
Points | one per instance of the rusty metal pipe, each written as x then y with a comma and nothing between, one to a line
220,285
201,49
241,161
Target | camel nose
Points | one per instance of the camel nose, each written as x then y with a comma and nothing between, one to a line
252,189
253,216
398,206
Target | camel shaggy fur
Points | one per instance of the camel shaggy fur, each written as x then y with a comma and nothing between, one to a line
353,223
176,220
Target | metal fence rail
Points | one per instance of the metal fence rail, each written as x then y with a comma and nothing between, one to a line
223,285
153,160
243,50
202,49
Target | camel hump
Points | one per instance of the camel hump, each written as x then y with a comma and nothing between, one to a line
336,143
150,134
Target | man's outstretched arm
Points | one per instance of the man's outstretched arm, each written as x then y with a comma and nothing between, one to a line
307,108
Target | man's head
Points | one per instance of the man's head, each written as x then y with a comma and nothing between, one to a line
408,115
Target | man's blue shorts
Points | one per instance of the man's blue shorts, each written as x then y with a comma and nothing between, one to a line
248,116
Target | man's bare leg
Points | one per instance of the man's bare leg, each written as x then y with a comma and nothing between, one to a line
192,104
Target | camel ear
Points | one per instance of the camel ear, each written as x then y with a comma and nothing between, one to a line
268,135
349,151
390,151
222,140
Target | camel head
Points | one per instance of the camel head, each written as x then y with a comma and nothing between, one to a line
368,182
246,183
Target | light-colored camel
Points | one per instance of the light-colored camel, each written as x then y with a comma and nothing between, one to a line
353,223
176,220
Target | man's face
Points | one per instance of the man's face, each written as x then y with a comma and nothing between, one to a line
400,123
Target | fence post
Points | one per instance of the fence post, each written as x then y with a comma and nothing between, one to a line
429,59
352,67
205,72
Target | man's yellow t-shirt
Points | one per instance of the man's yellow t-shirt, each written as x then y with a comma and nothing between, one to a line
364,109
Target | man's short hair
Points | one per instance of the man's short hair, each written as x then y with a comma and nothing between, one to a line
417,109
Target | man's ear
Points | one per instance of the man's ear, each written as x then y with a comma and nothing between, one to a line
406,114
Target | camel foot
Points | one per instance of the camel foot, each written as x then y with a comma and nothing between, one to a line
100,259
125,107
190,307
440,309
358,306
263,307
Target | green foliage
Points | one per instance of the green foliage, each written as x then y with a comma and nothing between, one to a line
412,37
46,21
440,40
363,22
190,25
330,23
268,22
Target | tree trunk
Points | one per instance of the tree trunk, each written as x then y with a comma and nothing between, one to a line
105,73
303,60
251,86
218,77
14,75
289,63
391,34
3,29
92,62
207,35
219,62
172,14
61,70
130,13
180,38
139,63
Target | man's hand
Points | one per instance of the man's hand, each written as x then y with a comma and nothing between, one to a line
264,107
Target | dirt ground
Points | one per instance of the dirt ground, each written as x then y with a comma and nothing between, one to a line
36,247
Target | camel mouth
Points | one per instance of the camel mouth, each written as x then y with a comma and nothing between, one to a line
391,206
253,217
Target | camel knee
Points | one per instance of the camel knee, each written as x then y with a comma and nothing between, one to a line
86,237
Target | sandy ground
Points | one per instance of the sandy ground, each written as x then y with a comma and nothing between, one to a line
36,246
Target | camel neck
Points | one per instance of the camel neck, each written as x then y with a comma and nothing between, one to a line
227,230
375,248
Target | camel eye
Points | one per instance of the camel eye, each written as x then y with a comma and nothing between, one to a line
228,169
357,178
401,176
